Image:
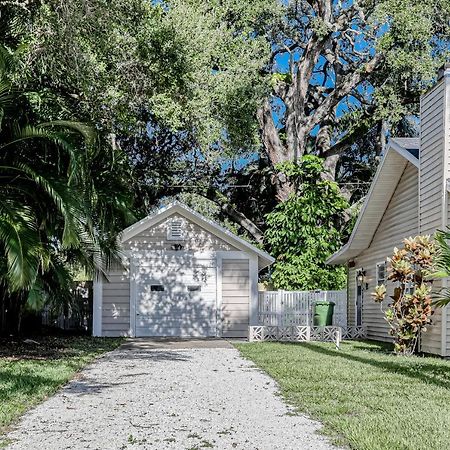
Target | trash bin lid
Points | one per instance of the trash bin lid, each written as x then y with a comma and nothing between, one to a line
325,303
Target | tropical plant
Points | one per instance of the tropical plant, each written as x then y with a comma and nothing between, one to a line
409,314
304,230
53,197
442,296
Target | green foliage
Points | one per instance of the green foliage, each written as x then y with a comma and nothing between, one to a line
188,65
55,192
442,297
304,230
410,311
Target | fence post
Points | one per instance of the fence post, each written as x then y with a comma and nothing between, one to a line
279,307
308,309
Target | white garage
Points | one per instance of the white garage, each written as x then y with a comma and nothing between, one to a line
182,276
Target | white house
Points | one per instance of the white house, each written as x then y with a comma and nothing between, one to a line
408,196
183,276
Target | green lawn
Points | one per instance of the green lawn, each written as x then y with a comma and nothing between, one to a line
29,373
364,396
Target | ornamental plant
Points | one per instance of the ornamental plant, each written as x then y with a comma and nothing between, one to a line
410,268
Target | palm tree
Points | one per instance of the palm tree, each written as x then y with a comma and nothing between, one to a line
53,191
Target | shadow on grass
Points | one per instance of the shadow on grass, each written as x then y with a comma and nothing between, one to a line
50,347
437,374
16,385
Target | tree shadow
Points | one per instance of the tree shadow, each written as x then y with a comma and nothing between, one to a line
15,385
154,355
439,375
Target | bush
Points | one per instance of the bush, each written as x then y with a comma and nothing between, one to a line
410,311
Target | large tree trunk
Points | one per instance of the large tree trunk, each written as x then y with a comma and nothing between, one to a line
275,150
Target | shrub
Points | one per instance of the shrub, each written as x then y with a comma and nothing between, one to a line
410,311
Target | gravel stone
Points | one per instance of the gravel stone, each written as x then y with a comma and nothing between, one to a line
140,397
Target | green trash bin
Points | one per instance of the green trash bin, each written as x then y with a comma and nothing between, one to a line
323,314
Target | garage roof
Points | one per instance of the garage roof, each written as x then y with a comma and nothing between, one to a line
264,259
399,152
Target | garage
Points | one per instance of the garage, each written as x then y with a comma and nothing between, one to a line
176,299
181,275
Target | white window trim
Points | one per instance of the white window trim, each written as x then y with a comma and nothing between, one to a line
378,264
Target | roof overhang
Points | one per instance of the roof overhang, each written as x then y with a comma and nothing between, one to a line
377,200
264,259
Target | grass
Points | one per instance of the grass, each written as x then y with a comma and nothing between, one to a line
29,373
366,397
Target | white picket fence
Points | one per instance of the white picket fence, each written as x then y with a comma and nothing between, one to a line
296,308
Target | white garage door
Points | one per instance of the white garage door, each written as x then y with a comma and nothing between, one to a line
176,296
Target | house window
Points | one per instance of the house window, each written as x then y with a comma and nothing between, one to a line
194,288
381,273
157,288
175,230
409,289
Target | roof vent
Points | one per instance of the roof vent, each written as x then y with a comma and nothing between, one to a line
175,231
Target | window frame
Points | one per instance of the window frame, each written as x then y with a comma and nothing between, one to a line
157,285
194,288
377,278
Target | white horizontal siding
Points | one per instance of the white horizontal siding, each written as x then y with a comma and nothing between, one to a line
195,239
116,304
432,199
235,297
431,160
400,220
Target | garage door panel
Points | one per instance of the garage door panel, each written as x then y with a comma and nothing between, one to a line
178,310
158,331
198,320
175,279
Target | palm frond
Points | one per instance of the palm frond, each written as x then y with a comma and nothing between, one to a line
20,241
86,131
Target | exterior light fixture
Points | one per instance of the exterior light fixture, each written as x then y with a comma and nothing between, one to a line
361,276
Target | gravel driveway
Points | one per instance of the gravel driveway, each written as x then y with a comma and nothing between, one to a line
170,395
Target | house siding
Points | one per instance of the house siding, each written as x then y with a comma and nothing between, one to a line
196,239
446,82
433,202
400,220
431,173
235,297
116,303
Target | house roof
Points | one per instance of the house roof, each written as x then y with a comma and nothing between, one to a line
399,152
264,259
